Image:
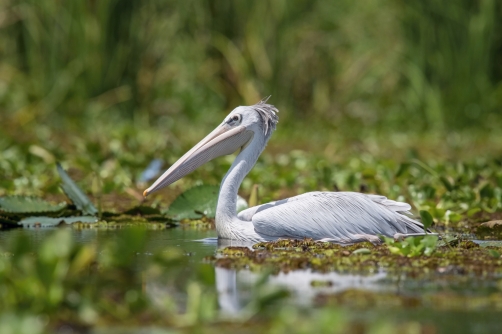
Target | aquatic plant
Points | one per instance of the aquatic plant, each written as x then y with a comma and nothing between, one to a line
413,257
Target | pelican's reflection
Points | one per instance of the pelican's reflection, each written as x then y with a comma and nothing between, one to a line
226,286
233,286
222,243
236,288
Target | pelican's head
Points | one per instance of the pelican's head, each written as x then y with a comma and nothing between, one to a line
234,133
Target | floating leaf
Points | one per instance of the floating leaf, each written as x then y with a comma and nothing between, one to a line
361,251
494,253
197,202
412,246
75,194
430,244
194,203
28,204
50,222
426,219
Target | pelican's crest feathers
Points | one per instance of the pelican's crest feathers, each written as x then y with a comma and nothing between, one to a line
268,114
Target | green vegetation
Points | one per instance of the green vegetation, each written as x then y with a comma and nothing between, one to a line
399,98
460,196
395,63
195,203
413,246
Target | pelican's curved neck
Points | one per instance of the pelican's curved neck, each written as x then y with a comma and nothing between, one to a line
227,223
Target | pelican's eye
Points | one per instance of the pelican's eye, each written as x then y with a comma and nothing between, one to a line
235,119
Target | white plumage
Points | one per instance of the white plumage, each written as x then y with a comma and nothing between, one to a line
342,217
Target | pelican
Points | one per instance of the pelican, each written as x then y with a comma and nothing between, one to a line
340,217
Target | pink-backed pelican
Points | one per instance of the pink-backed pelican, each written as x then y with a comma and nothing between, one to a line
341,217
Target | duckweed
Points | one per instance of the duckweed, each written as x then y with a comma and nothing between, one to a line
203,223
465,258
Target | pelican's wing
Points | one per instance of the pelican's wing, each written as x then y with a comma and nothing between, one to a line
335,216
248,214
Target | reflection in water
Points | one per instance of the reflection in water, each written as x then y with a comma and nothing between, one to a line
233,286
157,240
228,294
236,288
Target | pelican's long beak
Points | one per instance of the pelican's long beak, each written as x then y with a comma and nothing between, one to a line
225,139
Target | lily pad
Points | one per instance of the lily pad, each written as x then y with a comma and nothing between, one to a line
75,194
28,204
363,251
197,202
51,222
194,203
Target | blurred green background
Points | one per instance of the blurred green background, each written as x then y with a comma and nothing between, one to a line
87,81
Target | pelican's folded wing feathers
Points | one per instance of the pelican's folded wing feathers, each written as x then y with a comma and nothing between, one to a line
334,216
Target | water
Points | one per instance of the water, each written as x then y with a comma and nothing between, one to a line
235,288
198,244
186,239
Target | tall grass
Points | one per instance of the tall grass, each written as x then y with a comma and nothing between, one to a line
389,64
452,52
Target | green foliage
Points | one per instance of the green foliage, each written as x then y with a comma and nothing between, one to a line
426,219
75,194
23,208
440,76
417,66
194,203
494,253
28,204
413,246
464,204
11,323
